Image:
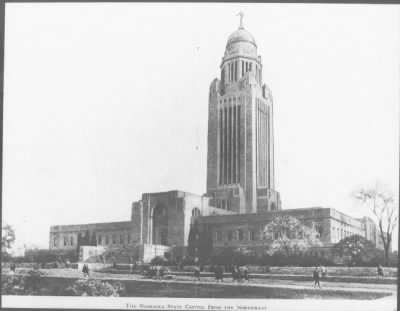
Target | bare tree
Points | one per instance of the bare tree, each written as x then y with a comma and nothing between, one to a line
380,201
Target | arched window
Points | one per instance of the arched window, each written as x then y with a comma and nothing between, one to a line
195,212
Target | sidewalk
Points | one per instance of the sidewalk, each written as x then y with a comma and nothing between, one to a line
207,280
295,277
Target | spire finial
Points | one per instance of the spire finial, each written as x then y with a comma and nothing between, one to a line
241,14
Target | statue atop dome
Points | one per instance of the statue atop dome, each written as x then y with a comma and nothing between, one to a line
241,14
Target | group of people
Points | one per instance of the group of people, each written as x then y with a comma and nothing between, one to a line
156,272
239,274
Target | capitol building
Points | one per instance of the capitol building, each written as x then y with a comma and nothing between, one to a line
240,198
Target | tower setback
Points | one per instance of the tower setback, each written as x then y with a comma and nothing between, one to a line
240,159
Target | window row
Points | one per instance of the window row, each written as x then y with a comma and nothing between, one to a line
224,204
100,239
235,235
339,234
113,239
235,70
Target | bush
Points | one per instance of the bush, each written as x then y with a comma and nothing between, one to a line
95,288
188,261
12,285
29,284
160,261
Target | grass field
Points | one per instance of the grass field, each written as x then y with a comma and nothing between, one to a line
55,286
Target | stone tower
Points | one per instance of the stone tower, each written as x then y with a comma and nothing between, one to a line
240,159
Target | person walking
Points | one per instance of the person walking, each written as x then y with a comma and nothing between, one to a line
12,268
235,274
246,274
316,277
85,270
323,271
379,269
196,273
218,274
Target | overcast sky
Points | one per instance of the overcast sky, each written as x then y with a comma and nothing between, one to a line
103,102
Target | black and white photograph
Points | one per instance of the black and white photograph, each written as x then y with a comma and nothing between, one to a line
200,156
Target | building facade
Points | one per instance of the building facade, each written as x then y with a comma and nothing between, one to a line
240,198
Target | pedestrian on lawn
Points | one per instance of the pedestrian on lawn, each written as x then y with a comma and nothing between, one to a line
85,270
12,268
246,274
323,271
380,271
197,273
316,277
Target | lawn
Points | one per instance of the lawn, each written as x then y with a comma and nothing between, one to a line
55,286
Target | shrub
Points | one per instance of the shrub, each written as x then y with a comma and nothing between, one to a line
12,285
159,260
95,288
29,284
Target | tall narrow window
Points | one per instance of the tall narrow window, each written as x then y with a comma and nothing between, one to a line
230,236
236,70
72,241
225,145
229,145
242,68
121,239
238,146
240,234
220,145
234,118
252,235
129,238
55,241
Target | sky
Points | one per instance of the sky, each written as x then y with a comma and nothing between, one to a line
106,101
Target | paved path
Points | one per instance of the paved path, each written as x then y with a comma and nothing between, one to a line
271,283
